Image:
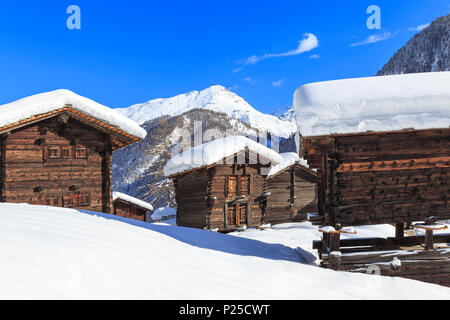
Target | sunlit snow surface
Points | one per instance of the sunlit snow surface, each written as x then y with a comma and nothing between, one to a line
60,253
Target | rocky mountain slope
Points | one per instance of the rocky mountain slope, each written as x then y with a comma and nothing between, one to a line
427,51
215,98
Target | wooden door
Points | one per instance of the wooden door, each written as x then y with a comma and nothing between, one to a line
231,215
241,218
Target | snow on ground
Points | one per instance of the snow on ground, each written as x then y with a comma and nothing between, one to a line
64,253
384,103
164,213
300,235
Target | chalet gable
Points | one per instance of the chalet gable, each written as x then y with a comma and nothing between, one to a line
63,105
229,150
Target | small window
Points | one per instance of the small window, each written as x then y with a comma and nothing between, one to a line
85,200
68,201
54,152
244,187
80,153
65,152
231,186
52,200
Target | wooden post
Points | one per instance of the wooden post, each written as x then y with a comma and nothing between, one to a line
335,242
325,241
429,240
400,230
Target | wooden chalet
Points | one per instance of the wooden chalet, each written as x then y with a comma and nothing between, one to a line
234,191
290,191
129,207
56,149
393,177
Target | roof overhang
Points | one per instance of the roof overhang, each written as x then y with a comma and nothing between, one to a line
119,137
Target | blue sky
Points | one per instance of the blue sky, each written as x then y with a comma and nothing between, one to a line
132,51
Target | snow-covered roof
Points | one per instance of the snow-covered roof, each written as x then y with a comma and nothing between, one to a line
163,213
133,200
214,151
387,103
44,103
288,159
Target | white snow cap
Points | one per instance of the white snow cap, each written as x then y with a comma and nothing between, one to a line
396,102
216,98
288,159
50,101
130,199
214,152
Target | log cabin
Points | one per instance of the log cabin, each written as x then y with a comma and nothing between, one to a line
129,207
381,148
290,191
228,188
56,149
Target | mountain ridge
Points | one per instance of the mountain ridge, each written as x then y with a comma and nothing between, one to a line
426,51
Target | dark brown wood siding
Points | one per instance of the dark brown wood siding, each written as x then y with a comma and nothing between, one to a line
293,194
191,191
222,201
129,210
58,162
388,177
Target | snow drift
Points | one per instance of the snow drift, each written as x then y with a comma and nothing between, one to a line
55,253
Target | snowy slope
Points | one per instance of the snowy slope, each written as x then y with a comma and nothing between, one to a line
383,103
62,253
215,98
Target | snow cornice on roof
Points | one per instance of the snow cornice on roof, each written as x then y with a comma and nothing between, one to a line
45,105
214,152
133,200
385,103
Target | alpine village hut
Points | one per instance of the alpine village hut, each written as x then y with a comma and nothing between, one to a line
56,149
130,207
381,147
222,185
291,190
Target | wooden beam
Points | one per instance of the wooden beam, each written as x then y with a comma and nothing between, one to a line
399,230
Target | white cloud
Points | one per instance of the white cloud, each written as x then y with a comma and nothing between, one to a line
374,38
250,80
278,83
314,56
419,27
308,43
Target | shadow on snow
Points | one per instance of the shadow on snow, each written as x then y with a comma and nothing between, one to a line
219,242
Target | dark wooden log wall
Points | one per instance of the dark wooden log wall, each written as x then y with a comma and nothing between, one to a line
431,266
191,189
129,210
217,195
293,193
389,177
30,176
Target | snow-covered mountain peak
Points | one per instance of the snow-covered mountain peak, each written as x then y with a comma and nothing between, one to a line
216,98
